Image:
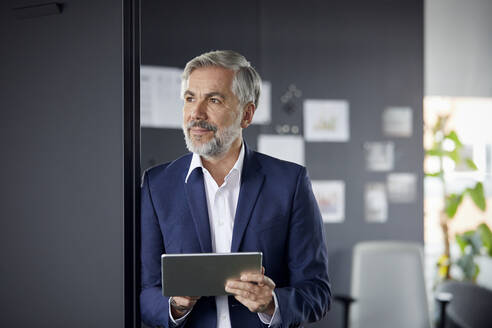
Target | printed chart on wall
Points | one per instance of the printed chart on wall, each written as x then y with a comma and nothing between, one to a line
397,122
330,195
402,187
379,155
326,120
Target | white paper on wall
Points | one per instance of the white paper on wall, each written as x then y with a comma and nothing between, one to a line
402,187
264,111
160,101
397,122
380,156
326,120
376,202
287,147
330,195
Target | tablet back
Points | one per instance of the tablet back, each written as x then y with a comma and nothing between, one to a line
204,274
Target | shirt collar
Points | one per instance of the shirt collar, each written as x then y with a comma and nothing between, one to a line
196,161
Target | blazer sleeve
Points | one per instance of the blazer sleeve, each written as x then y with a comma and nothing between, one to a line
308,296
154,307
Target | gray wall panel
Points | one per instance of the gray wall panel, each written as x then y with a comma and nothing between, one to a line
61,140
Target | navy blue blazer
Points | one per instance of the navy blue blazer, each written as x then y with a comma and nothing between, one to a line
276,214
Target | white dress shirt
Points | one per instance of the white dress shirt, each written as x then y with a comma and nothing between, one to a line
222,203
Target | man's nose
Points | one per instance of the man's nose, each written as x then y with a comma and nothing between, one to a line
199,111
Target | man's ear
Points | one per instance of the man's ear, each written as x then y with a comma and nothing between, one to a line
248,112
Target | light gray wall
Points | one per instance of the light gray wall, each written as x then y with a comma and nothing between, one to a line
458,48
61,144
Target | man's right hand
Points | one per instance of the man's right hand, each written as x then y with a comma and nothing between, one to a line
180,305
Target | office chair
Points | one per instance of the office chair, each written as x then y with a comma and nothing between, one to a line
471,306
388,287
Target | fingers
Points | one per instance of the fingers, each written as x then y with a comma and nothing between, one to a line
180,305
254,290
258,278
246,290
252,277
249,290
185,301
194,298
255,306
251,305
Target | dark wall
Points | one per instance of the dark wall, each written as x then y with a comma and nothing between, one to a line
61,144
368,52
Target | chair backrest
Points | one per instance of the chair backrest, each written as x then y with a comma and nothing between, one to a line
388,283
471,306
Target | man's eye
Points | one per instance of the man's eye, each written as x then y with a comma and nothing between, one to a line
189,99
215,100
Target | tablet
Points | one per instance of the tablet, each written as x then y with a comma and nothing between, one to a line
204,274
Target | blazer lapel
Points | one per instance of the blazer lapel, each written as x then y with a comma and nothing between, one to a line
251,182
197,201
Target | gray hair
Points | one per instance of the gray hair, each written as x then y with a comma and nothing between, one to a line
246,84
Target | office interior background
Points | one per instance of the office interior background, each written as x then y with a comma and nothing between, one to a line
73,151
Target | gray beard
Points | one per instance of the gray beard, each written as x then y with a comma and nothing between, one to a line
219,144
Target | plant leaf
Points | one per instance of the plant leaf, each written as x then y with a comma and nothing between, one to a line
471,164
434,152
477,271
475,242
486,237
452,203
462,242
454,155
454,137
468,266
469,238
435,175
477,195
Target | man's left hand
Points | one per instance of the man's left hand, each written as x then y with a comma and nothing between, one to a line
253,290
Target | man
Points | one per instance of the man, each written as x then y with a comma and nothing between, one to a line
227,198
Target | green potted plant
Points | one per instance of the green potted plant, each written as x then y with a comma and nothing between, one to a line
473,244
446,144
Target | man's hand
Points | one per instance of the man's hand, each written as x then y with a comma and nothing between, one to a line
180,305
254,290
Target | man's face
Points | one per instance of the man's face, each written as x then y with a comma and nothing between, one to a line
211,113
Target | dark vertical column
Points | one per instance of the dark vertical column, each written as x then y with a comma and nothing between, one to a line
67,145
131,28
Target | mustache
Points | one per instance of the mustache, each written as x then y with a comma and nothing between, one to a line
201,124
